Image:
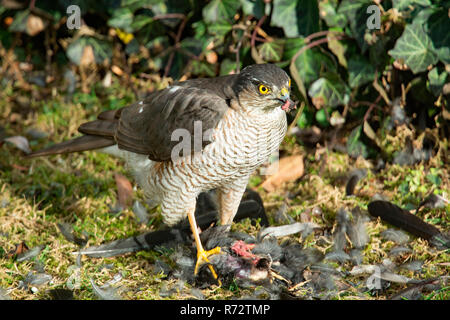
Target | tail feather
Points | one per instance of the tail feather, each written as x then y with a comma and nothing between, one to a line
83,143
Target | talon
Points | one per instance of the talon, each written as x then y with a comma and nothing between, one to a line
202,257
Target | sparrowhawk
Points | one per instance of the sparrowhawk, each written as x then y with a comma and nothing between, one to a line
232,123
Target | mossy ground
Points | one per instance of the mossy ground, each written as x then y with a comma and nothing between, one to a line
36,194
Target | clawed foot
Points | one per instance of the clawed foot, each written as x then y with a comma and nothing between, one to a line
202,257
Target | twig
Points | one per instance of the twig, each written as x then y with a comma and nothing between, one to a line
176,46
169,16
258,25
314,44
371,106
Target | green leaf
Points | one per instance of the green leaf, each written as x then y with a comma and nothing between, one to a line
220,28
140,21
329,13
357,144
329,91
296,17
20,21
271,51
102,49
253,7
122,19
360,71
415,48
311,63
405,4
220,10
321,117
356,13
436,81
438,28
228,66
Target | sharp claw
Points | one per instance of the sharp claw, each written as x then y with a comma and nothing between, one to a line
202,257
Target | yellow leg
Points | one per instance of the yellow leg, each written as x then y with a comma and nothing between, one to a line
202,255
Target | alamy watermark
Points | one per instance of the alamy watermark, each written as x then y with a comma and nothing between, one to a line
74,18
374,20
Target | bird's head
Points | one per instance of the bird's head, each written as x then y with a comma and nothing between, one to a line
264,86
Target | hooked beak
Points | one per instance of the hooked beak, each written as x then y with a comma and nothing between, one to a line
288,104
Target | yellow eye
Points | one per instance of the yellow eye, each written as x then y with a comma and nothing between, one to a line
263,89
289,83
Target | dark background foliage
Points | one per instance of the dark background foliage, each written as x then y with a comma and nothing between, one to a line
346,75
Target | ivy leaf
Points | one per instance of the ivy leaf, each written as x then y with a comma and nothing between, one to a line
253,7
311,63
220,28
102,49
356,13
360,71
140,21
329,91
436,81
415,48
329,14
220,9
439,31
271,51
357,144
296,17
122,18
405,4
228,66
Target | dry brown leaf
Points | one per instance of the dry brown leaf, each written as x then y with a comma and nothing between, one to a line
117,70
124,190
34,25
289,169
87,57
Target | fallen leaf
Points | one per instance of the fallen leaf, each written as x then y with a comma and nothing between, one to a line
87,58
116,70
34,25
19,249
286,169
124,190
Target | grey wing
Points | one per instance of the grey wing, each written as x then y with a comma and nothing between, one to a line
147,127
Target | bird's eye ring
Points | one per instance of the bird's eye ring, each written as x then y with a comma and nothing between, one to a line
263,89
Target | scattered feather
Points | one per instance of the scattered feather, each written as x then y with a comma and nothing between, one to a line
34,279
353,179
19,142
67,231
61,294
339,235
415,265
4,294
36,134
356,256
30,254
104,293
357,229
396,251
286,230
339,256
434,201
397,236
140,212
403,219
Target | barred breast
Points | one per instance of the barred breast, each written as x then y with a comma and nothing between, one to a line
242,142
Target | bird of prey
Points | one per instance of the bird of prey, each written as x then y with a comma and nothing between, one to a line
194,136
